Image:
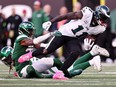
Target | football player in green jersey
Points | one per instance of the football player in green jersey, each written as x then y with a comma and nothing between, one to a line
22,42
5,56
36,65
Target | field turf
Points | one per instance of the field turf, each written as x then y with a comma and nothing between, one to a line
89,78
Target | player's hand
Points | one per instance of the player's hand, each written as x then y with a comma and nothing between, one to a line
46,25
56,33
88,44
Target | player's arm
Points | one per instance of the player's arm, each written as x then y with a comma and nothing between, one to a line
38,40
71,15
26,42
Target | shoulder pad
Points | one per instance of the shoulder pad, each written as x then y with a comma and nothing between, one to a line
21,37
84,9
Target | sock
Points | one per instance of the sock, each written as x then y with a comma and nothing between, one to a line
47,75
92,53
75,72
81,66
50,70
57,63
82,59
91,62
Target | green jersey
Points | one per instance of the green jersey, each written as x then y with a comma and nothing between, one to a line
18,51
38,18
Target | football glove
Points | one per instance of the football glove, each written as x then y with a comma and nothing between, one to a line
56,33
46,25
88,44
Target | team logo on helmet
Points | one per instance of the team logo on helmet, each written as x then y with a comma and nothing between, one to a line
102,13
5,55
25,27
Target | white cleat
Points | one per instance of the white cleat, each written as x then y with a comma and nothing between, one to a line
97,50
97,63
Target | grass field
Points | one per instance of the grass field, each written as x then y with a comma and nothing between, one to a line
90,78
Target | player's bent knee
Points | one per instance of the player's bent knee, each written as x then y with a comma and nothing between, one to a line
24,72
27,72
43,64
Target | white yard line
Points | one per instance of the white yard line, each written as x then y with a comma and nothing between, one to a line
51,80
48,80
71,82
55,84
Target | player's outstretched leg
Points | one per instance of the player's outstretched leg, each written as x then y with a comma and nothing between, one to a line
79,68
81,64
96,50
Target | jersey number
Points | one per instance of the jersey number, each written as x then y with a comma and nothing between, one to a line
77,29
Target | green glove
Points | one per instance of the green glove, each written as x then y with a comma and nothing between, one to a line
56,33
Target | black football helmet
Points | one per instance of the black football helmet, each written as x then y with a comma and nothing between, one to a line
102,13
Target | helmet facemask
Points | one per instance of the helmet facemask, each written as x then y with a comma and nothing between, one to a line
7,60
28,33
26,28
102,14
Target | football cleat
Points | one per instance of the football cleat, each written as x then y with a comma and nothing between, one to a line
97,50
59,76
97,63
25,57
